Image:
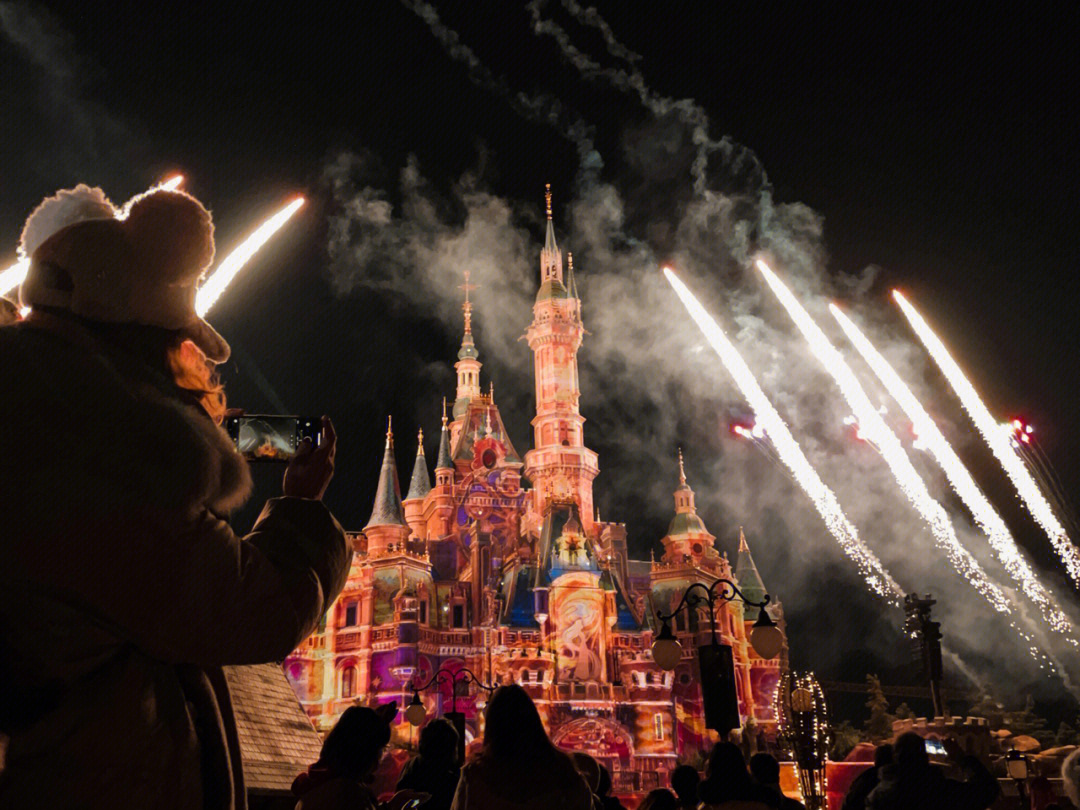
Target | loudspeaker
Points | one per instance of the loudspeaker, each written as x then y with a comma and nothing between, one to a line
718,693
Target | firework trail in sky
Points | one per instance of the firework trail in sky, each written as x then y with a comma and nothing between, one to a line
981,509
873,426
998,442
788,449
13,276
215,285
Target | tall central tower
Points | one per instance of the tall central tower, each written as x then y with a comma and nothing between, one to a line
559,466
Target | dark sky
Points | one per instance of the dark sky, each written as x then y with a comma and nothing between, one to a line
938,144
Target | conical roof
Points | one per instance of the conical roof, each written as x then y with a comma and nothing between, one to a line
748,577
444,461
387,508
420,484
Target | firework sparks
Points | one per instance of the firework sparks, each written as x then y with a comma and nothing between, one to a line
931,439
1021,478
788,449
872,426
215,285
15,275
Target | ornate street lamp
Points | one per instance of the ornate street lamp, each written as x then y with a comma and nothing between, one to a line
416,714
765,636
715,660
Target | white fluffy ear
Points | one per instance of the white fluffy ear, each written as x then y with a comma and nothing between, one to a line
66,207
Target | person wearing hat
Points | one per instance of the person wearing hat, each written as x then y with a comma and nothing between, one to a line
123,591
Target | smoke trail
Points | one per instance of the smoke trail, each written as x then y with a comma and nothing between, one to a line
591,17
737,157
824,500
988,426
542,108
981,509
875,429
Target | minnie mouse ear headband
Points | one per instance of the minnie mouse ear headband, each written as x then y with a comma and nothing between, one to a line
139,264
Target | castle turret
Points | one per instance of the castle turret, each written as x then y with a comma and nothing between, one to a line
559,466
387,523
467,366
444,463
687,539
419,487
749,579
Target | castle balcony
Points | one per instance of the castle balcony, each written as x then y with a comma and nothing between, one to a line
348,640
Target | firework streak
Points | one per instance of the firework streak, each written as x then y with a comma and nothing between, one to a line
214,286
1021,478
788,449
873,427
961,480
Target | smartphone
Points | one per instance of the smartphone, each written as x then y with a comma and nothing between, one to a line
265,437
935,747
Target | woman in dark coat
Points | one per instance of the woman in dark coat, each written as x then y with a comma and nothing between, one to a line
123,591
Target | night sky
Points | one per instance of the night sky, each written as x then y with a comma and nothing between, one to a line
937,145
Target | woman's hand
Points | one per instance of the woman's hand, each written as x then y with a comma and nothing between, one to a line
311,469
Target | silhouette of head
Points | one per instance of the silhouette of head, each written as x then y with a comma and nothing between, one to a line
910,751
512,726
765,769
684,781
726,764
659,799
883,755
439,741
354,746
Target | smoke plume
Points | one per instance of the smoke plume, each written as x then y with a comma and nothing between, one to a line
702,203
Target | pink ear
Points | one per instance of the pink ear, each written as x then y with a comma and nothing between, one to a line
172,234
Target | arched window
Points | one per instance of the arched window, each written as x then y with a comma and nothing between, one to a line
348,682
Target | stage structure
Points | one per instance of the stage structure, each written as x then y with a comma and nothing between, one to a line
504,566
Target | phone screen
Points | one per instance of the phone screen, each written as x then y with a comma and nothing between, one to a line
262,437
935,747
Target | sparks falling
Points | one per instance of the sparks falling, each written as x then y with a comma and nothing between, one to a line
215,285
15,275
1021,478
788,449
932,439
873,427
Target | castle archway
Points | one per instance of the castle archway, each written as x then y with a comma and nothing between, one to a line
606,740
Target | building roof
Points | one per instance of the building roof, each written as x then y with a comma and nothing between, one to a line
277,740
552,288
387,508
480,414
519,609
444,460
420,483
686,523
749,579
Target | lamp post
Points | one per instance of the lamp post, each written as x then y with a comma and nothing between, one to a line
717,664
1016,764
416,714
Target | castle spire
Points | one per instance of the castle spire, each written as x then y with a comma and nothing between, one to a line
386,510
420,484
551,266
443,461
684,495
468,364
748,578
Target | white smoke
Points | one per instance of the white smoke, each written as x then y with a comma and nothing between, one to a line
704,205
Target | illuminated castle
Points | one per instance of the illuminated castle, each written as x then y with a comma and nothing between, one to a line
525,583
